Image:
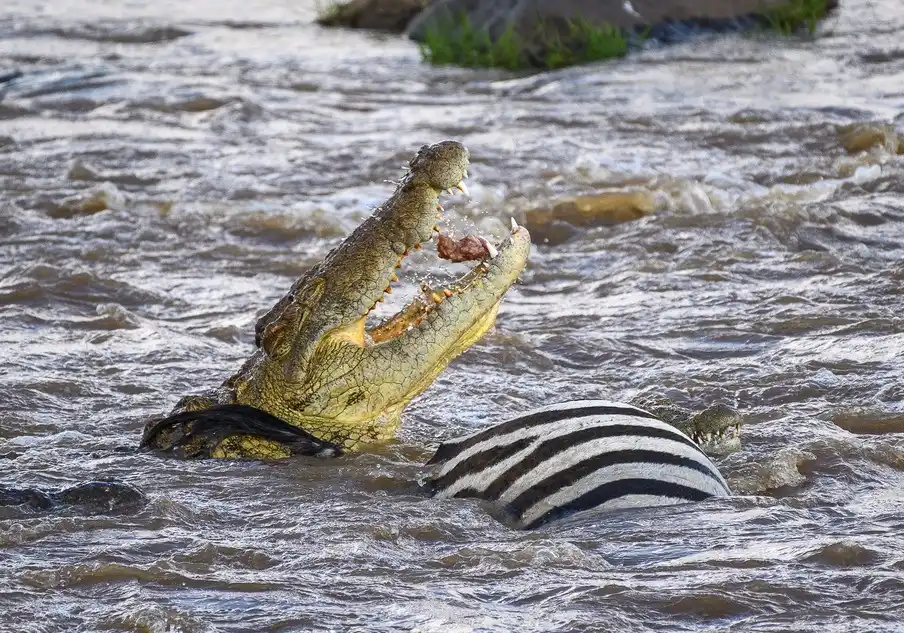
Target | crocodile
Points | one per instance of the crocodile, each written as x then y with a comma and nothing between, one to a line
320,381
715,429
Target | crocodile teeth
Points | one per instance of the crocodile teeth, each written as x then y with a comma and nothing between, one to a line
514,225
461,187
490,248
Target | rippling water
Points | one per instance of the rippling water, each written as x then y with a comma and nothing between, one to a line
168,168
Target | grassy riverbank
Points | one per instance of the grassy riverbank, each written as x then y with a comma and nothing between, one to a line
459,43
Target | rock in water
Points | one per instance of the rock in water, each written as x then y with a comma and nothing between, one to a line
601,209
378,15
92,497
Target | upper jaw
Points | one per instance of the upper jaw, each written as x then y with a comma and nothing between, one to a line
336,294
443,166
371,255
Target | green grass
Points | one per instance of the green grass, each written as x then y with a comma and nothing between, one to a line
585,43
796,15
459,43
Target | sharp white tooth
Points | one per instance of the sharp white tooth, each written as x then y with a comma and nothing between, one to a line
461,187
490,248
514,225
466,176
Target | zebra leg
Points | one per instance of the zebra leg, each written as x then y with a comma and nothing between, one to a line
231,431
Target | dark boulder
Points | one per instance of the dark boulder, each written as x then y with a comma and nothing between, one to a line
377,15
92,497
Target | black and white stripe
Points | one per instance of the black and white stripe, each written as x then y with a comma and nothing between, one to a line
575,456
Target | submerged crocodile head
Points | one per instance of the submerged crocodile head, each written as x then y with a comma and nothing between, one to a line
318,367
716,429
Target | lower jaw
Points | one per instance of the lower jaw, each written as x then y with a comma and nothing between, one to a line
476,332
355,436
722,446
473,334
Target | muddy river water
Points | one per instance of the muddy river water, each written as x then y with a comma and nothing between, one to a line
168,168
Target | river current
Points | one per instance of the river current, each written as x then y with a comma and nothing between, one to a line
167,169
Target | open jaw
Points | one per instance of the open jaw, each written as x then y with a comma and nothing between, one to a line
323,370
316,368
720,441
364,267
401,356
501,260
715,429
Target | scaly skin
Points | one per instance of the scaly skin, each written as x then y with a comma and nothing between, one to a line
316,367
716,429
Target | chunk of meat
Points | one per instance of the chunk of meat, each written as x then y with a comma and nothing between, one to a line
468,248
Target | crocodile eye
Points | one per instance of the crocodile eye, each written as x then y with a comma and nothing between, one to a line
278,334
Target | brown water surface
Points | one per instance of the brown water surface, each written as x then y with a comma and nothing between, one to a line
167,168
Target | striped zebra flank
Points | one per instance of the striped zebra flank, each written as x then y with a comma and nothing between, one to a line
575,456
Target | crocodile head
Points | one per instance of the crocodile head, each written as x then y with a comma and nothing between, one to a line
716,429
320,368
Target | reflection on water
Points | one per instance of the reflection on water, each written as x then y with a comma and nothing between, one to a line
167,169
